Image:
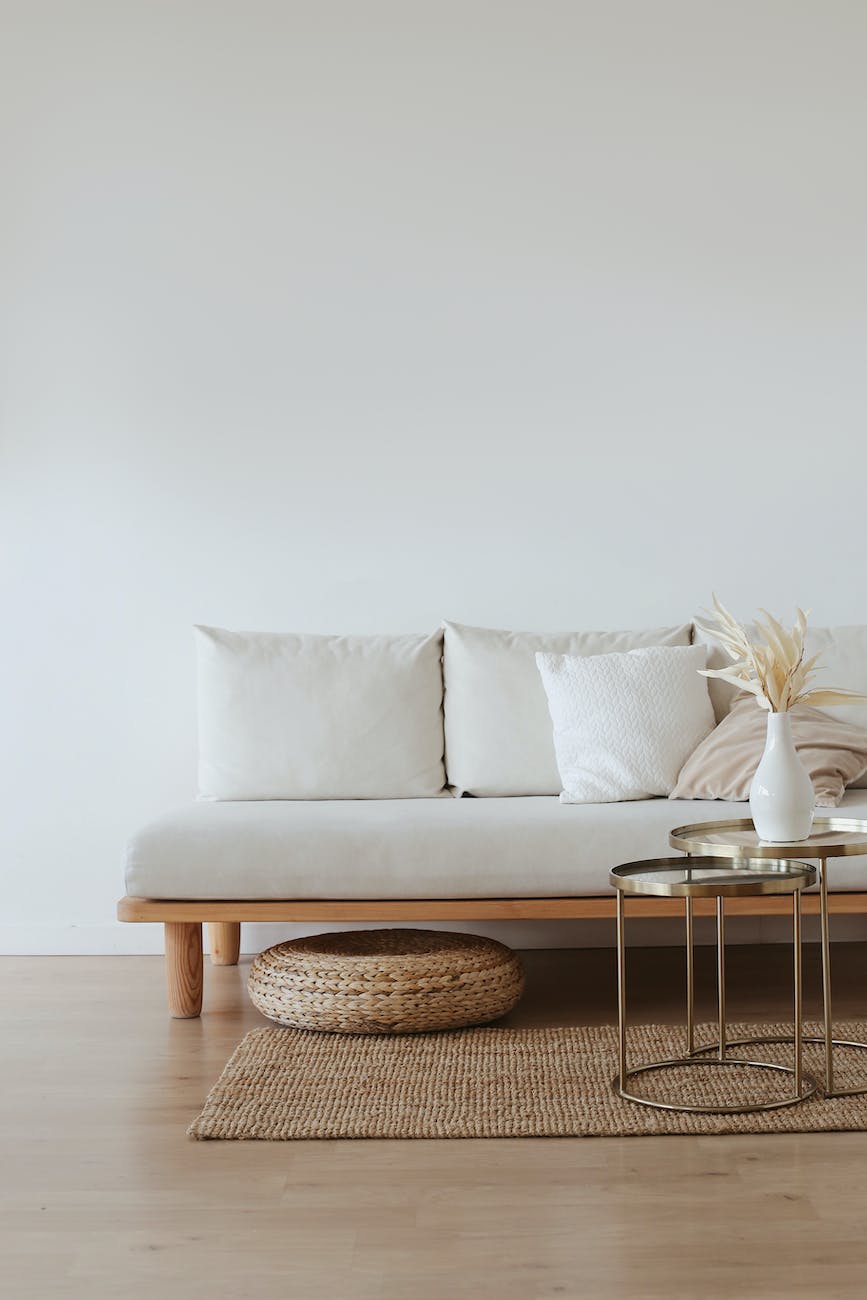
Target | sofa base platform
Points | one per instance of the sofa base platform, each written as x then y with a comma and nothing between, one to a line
183,919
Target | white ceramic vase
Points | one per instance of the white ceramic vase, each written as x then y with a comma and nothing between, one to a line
781,795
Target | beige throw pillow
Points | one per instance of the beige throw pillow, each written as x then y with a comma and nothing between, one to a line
724,764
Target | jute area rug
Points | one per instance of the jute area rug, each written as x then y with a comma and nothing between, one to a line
288,1084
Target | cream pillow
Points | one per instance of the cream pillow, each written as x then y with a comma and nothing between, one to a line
724,764
497,725
624,723
319,717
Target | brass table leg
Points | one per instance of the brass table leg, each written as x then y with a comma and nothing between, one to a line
799,989
826,977
829,1040
621,991
721,975
690,981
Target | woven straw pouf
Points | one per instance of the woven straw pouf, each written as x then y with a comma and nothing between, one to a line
386,981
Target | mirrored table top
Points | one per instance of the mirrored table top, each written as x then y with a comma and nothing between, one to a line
711,877
830,837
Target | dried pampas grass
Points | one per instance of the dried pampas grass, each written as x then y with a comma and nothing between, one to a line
773,669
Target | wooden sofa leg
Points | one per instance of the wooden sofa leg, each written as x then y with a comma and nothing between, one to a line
184,968
225,942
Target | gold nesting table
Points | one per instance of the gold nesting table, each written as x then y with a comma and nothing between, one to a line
716,877
831,837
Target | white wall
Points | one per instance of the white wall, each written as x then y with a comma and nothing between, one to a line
340,316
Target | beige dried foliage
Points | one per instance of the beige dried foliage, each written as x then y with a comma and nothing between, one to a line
772,666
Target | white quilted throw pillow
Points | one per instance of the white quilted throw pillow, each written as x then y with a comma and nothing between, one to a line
625,724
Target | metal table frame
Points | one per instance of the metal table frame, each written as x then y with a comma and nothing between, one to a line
723,879
830,837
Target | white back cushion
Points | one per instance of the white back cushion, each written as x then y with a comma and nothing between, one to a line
625,724
319,717
499,738
843,663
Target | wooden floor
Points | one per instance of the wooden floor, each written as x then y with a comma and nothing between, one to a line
104,1196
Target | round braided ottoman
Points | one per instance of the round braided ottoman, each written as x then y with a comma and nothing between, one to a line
386,981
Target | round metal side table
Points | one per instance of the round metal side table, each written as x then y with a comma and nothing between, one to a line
830,837
718,878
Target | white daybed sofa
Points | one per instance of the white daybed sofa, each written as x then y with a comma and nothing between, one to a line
507,849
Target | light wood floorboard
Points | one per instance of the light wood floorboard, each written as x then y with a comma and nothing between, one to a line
102,1195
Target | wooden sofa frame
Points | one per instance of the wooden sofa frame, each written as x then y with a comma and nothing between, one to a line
183,920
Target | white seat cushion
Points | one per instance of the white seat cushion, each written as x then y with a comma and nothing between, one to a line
417,848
